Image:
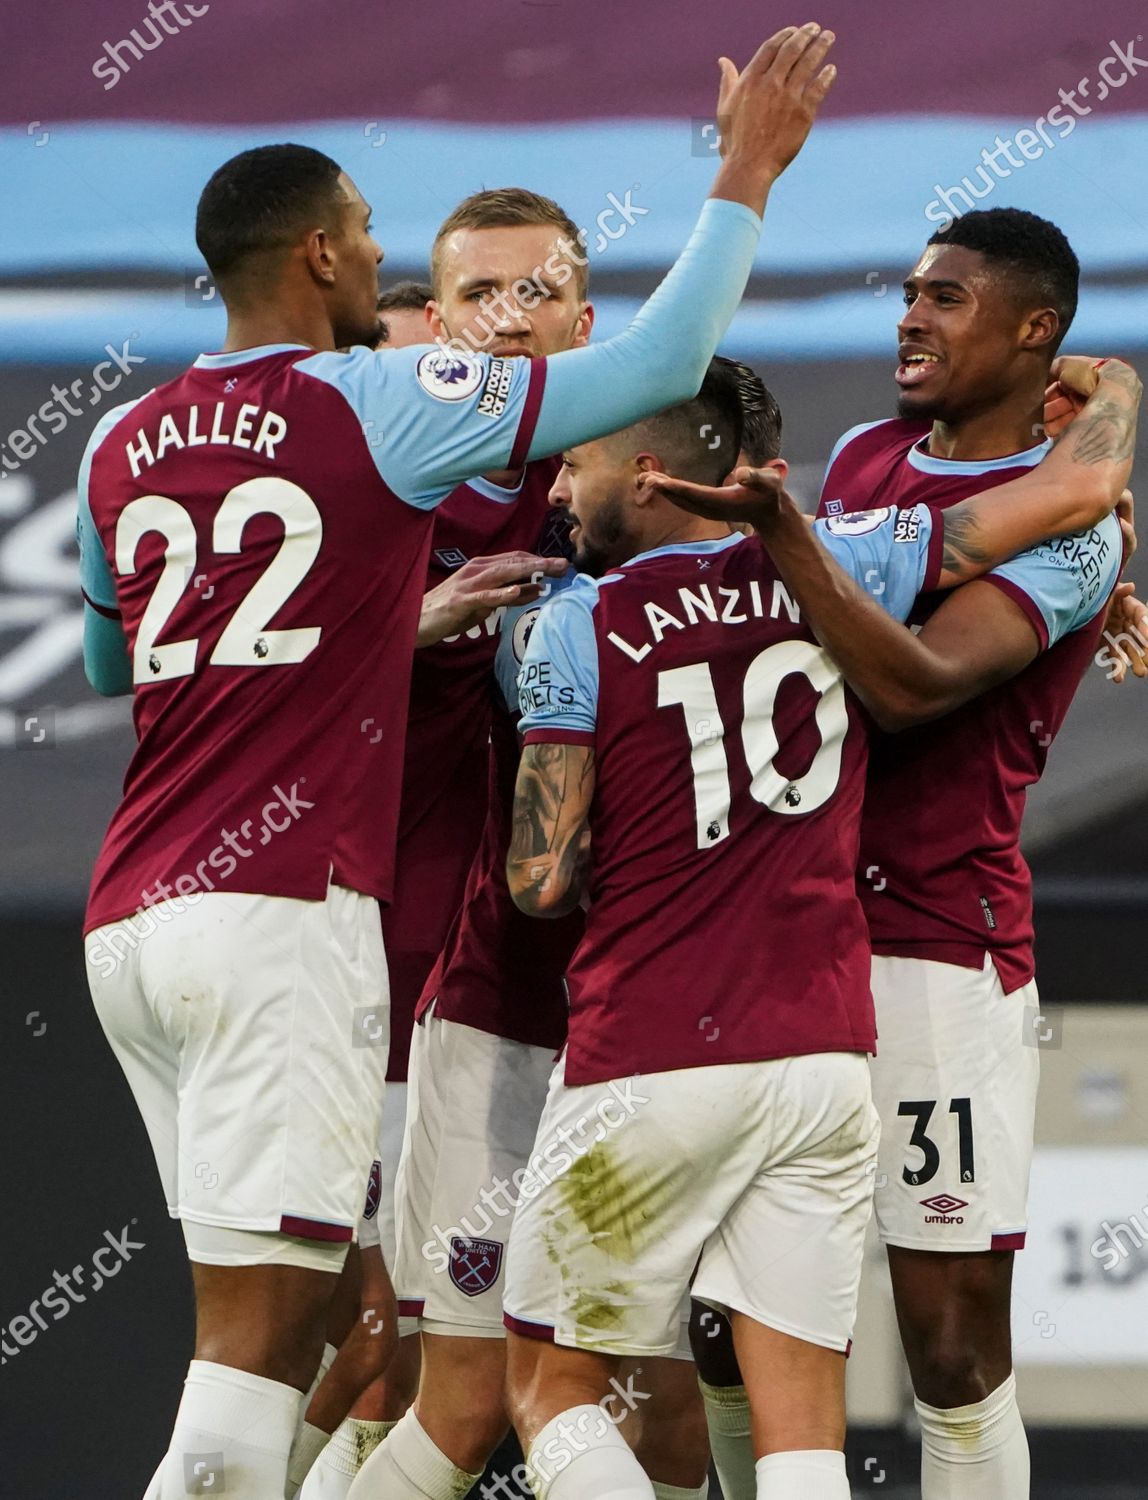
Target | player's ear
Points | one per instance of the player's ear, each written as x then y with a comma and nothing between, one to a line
1040,329
645,463
434,319
583,326
319,251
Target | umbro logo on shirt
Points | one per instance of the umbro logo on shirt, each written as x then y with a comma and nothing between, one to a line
450,557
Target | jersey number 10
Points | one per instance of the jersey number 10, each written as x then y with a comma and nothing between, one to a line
692,689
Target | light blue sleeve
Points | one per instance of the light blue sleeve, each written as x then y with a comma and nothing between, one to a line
558,683
107,664
517,627
888,552
1066,581
433,417
95,575
662,357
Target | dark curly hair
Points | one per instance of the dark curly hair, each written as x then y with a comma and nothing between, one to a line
1033,251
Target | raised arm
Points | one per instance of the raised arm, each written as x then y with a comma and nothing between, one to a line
766,113
435,417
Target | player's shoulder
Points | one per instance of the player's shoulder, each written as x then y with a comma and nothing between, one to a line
111,419
572,594
108,423
891,436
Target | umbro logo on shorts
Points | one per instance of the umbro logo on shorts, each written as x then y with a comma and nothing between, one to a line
474,1264
945,1209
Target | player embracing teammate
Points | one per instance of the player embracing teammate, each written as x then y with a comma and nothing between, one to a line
695,767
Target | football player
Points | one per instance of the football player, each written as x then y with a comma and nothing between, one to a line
692,762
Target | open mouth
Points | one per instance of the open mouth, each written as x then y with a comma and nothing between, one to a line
916,367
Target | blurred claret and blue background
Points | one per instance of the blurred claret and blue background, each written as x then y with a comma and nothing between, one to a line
596,104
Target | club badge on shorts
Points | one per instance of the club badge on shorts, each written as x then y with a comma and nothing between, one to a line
374,1190
474,1264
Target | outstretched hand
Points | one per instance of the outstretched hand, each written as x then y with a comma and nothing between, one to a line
754,496
766,111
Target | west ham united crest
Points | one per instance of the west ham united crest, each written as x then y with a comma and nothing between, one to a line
474,1264
374,1190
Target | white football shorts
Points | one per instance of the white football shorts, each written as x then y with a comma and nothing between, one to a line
760,1175
473,1106
253,1031
955,1081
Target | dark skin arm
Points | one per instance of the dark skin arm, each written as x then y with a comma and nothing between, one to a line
549,856
978,638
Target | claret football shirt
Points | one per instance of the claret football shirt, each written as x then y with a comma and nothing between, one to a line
724,925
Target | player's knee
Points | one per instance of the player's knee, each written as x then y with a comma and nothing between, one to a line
373,1342
478,1421
946,1369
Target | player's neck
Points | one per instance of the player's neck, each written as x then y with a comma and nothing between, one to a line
276,325
990,434
690,529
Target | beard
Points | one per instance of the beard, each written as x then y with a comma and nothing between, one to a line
920,411
606,542
368,330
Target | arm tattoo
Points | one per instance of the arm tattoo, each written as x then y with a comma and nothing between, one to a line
1104,433
1105,430
960,550
550,839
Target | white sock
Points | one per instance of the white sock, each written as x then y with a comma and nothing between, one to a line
232,1435
731,1446
305,1449
309,1443
976,1452
352,1443
408,1466
581,1455
675,1491
813,1474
